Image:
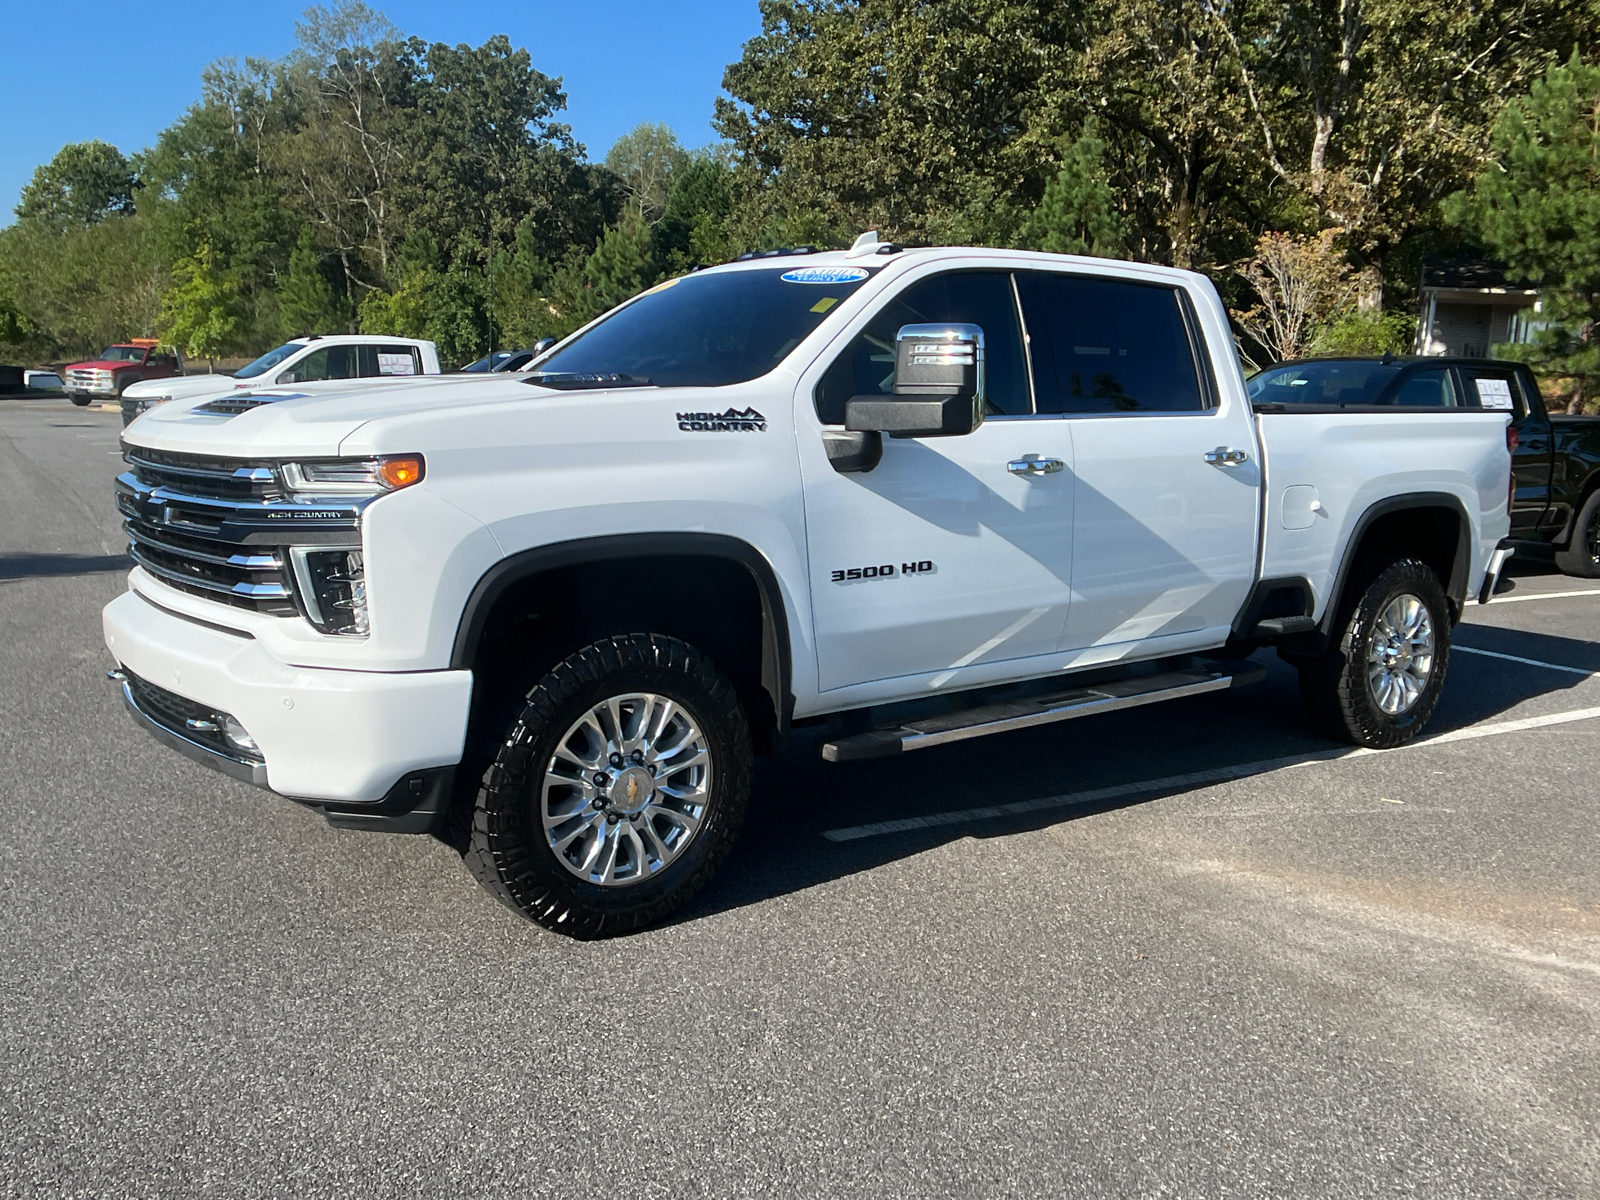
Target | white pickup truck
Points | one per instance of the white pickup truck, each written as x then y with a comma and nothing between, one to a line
907,495
348,357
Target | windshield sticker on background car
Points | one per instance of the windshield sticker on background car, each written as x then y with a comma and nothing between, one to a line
748,421
1494,393
825,275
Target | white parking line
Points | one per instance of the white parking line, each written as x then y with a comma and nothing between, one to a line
1540,596
1531,662
1195,778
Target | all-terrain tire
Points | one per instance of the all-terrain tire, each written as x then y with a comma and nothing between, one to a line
1336,686
509,852
1582,555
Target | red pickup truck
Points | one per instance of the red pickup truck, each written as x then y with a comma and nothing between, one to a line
126,363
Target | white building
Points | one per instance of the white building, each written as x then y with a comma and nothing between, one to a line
1466,307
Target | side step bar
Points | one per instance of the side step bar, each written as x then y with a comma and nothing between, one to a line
1037,710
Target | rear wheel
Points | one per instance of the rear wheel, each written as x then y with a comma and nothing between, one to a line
1582,555
1378,683
617,790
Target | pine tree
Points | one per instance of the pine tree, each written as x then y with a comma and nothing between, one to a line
1078,213
622,265
1537,208
306,301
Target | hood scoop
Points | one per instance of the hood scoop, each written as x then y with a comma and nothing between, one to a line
240,402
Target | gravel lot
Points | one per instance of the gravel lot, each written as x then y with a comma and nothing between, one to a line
1309,973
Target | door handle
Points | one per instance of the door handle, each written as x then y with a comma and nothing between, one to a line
1224,456
1035,466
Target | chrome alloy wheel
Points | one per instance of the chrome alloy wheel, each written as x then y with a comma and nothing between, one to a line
1591,538
1400,661
626,790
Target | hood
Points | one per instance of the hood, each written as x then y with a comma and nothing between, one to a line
308,418
100,364
182,387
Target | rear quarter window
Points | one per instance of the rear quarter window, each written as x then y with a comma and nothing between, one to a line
1498,388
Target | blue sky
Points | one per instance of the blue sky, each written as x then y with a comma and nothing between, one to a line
121,73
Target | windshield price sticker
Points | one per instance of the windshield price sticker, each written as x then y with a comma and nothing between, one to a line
1494,393
395,364
825,275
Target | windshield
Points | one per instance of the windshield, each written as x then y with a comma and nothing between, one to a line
706,330
1355,381
268,360
489,362
123,354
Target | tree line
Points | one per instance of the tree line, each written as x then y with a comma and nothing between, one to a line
1306,154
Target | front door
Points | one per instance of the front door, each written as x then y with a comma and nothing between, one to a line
953,552
1167,489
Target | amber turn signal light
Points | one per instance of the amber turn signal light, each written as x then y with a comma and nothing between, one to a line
400,472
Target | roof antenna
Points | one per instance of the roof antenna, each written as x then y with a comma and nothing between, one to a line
864,245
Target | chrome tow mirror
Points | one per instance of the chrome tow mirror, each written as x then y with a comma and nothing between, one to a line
938,392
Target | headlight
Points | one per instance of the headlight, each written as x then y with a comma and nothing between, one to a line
332,583
353,476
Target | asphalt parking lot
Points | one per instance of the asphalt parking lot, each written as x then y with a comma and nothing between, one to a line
1194,950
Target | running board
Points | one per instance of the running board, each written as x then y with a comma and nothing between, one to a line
1036,710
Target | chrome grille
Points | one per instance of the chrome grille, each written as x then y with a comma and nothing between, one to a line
198,475
254,577
222,528
90,379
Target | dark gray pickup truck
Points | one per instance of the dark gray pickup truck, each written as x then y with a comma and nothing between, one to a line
1555,500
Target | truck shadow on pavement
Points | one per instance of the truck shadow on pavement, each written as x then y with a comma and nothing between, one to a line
799,799
14,565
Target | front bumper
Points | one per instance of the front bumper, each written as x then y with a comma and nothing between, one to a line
327,736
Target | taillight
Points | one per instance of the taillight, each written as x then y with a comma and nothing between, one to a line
1513,440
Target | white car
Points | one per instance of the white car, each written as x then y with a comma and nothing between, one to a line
300,360
551,617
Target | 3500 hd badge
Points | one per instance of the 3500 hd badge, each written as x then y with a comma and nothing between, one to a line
884,571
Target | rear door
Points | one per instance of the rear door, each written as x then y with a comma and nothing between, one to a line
1166,483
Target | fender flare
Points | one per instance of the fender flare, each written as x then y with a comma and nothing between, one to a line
1455,586
776,666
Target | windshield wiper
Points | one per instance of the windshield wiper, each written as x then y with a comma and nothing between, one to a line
574,380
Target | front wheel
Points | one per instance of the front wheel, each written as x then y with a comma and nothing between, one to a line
1378,684
81,399
617,790
1582,555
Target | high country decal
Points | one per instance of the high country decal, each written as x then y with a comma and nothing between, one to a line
886,571
748,421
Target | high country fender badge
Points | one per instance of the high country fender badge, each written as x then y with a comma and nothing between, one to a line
748,421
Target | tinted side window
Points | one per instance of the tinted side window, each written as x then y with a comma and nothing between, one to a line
331,362
1426,389
983,298
1108,346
